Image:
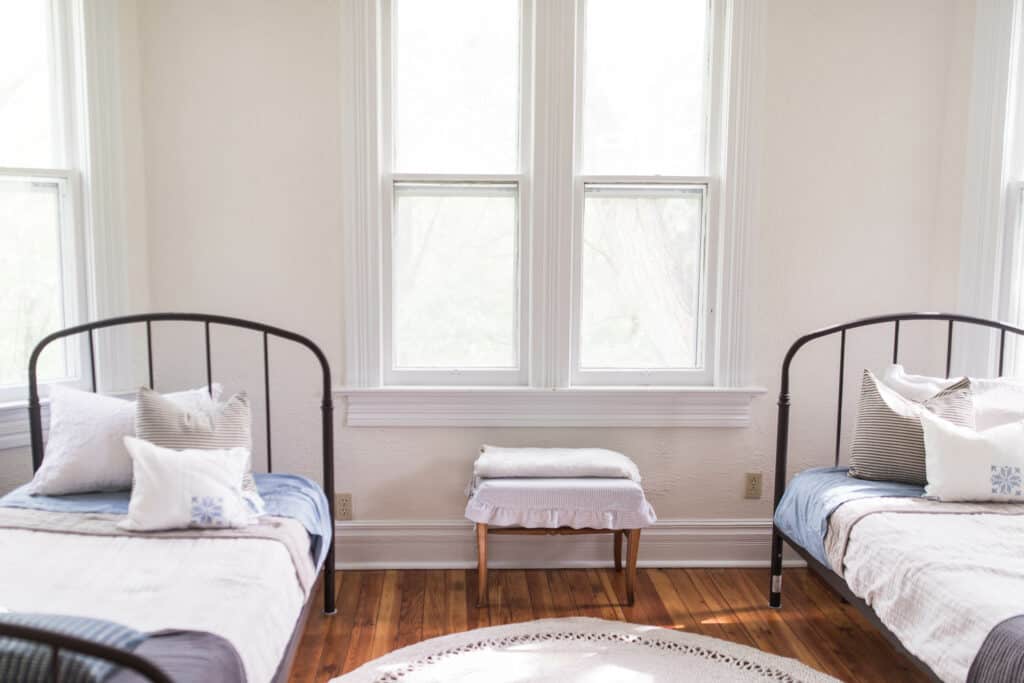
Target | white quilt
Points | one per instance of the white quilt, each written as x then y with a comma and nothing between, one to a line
939,575
244,590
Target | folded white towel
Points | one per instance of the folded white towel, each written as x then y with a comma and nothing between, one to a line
496,462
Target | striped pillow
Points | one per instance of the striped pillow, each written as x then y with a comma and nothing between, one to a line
888,443
169,425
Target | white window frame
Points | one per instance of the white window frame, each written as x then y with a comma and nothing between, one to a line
92,179
551,195
703,375
992,243
393,376
68,181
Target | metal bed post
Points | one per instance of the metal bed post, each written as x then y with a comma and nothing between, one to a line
327,408
775,587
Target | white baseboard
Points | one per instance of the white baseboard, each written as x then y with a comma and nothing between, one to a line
450,544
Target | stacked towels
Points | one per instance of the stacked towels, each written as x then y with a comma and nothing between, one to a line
496,462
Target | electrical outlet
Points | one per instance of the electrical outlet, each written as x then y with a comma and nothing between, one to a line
752,485
343,507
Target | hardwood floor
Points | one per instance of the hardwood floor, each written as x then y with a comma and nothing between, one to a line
379,611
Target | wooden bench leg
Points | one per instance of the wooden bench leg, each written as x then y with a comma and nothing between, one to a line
633,547
617,545
481,565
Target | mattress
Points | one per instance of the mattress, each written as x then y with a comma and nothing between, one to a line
578,503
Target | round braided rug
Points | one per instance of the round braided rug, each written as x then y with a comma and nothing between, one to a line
580,650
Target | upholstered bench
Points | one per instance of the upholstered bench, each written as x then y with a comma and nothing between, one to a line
560,505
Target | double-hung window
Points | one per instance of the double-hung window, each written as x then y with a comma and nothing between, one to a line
41,264
454,189
549,211
642,190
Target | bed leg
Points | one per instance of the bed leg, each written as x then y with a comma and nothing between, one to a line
775,588
330,607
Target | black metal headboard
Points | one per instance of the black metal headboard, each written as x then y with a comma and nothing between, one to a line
782,436
147,319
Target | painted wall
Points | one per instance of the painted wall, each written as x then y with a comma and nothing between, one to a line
863,123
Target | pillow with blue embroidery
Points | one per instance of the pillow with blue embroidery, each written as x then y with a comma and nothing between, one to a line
967,465
192,488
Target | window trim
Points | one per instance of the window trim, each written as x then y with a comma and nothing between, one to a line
990,244
390,178
88,67
714,108
735,151
73,254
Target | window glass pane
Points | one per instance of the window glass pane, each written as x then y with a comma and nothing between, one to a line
31,294
644,105
456,86
28,123
454,276
641,277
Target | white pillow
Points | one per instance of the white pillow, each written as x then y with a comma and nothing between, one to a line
997,401
85,449
963,464
186,489
915,387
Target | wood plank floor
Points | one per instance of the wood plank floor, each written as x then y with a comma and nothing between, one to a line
379,611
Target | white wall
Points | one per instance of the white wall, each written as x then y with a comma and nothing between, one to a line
863,124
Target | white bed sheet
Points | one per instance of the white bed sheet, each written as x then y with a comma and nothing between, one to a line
939,581
244,590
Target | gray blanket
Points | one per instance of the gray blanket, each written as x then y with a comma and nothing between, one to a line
1001,657
187,657
28,661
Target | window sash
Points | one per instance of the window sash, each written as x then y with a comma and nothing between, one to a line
66,114
447,186
1012,284
581,376
71,273
391,375
705,375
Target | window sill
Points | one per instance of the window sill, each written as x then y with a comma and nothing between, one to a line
528,407
14,432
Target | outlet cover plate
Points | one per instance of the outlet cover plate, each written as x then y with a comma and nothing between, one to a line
343,507
752,485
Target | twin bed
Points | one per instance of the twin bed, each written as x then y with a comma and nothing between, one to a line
944,581
193,604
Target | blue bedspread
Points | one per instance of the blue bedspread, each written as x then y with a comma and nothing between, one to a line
813,495
285,495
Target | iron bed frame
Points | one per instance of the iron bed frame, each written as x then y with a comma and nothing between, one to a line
57,641
832,579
